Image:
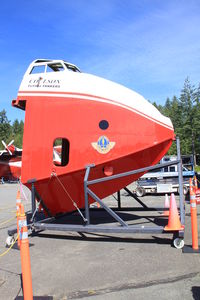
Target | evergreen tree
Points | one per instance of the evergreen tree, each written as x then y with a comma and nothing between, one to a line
5,128
188,131
10,132
17,132
159,107
167,108
184,113
196,121
16,127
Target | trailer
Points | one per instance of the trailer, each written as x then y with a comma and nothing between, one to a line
120,218
165,179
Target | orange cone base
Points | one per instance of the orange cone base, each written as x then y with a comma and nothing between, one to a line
175,228
189,249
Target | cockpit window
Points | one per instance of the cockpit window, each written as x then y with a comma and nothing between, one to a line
56,67
53,67
72,68
38,69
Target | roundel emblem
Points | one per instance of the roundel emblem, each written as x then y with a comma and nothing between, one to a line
103,145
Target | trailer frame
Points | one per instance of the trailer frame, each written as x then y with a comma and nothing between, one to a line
35,223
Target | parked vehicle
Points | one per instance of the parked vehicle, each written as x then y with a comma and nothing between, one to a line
165,180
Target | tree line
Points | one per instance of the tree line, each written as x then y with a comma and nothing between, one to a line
9,132
183,110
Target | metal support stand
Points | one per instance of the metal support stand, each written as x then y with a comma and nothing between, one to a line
122,226
87,211
109,210
180,181
119,199
33,203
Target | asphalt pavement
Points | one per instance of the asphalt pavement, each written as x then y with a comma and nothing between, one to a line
72,265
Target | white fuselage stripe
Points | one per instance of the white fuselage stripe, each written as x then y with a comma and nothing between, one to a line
87,97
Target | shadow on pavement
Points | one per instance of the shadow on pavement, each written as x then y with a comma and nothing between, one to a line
196,292
94,237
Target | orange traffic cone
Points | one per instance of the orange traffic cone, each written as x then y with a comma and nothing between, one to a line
166,206
25,256
191,186
195,183
194,224
173,221
18,203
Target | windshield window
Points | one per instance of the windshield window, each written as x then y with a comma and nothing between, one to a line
38,69
56,67
72,68
53,67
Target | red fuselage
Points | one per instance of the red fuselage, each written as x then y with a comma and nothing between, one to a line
93,130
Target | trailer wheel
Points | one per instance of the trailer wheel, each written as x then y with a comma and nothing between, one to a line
178,243
140,191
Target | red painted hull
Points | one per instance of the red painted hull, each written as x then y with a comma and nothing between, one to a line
140,141
10,168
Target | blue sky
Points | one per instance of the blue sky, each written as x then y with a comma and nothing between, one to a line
149,46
